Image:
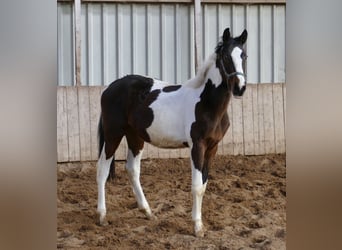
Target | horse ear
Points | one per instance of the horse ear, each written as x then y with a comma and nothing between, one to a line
226,35
243,37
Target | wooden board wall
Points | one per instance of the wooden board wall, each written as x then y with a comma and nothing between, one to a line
257,124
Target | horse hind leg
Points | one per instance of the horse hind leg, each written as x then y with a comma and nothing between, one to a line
135,150
106,160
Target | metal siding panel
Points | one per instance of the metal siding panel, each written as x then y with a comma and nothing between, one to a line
210,36
125,43
266,46
98,44
90,42
238,20
154,41
192,43
279,43
157,40
224,18
253,45
168,43
95,61
139,39
105,42
60,45
111,47
183,41
84,46
66,42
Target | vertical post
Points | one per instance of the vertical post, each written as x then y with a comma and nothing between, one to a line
198,34
77,21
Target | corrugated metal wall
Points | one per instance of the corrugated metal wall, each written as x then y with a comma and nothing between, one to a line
158,40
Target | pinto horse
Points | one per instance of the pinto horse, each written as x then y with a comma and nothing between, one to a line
192,115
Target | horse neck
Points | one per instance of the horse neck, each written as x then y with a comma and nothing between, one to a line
214,90
201,76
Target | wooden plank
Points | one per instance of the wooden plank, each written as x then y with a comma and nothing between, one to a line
163,153
279,127
284,98
84,120
152,151
95,111
260,115
254,88
121,152
174,153
62,126
185,153
220,148
237,126
227,142
248,122
146,150
268,118
73,124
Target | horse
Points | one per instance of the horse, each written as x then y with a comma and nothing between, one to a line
192,115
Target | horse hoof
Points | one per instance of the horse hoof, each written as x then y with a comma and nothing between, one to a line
199,229
200,233
103,223
148,213
102,220
151,216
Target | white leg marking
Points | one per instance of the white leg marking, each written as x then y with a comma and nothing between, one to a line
133,170
198,189
103,166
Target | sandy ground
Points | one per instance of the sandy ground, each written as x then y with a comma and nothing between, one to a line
243,207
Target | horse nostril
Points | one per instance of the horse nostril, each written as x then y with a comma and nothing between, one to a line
243,89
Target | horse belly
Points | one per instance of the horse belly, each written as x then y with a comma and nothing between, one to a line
168,128
173,115
167,131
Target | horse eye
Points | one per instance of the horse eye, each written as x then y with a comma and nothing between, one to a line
243,56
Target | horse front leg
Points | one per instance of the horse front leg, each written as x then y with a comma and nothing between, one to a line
198,186
201,159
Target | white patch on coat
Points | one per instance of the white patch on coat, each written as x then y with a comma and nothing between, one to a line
174,112
158,84
202,73
214,75
237,60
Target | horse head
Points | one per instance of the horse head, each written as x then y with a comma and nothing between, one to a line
231,60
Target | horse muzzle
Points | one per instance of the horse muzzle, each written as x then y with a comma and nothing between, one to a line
237,91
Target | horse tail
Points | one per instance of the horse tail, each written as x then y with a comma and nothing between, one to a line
100,134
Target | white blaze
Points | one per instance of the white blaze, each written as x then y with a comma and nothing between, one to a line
237,60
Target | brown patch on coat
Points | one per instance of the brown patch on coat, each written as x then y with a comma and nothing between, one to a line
211,124
171,88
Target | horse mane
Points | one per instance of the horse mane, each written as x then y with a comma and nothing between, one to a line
198,80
